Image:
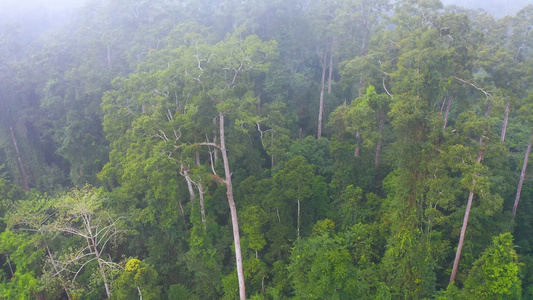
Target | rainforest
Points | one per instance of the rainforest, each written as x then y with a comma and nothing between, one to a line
266,149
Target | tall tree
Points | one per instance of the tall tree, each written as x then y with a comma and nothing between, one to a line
203,82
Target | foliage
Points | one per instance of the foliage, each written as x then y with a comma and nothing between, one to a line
174,110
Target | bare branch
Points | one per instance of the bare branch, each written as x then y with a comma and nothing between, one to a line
487,94
385,88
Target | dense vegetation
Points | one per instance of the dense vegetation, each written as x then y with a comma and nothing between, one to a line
354,149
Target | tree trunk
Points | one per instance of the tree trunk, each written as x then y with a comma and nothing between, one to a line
140,294
378,151
364,40
109,65
10,266
192,195
215,140
201,192
465,221
505,120
298,229
25,183
321,103
271,156
202,205
522,175
447,112
100,265
468,207
233,210
330,67
57,272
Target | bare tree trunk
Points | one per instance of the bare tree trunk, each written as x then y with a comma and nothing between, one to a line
201,193
185,173
92,243
465,222
140,294
522,175
468,207
298,218
215,140
330,67
202,205
19,160
109,65
10,266
442,106
364,40
447,112
378,151
505,120
233,210
271,144
57,272
321,103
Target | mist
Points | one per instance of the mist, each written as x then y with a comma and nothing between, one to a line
37,16
498,8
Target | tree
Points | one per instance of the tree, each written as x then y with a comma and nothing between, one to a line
525,111
329,265
367,116
24,259
137,280
78,214
294,182
496,273
215,78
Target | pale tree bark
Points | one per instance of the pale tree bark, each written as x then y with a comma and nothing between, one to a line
215,140
93,243
447,112
101,266
331,65
201,193
357,143
233,210
522,175
364,41
323,60
325,66
25,178
54,265
271,145
298,228
109,62
505,120
468,208
465,224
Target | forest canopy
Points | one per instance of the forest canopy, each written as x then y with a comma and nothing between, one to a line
354,149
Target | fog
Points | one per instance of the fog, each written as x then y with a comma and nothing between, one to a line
498,8
37,16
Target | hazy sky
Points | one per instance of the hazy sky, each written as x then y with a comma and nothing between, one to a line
36,16
498,8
